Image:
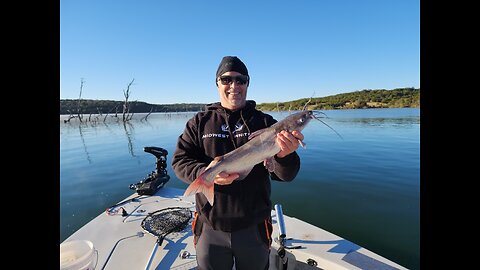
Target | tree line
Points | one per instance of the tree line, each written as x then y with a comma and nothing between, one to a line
380,98
93,106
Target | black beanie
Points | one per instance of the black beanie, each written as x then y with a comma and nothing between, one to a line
231,63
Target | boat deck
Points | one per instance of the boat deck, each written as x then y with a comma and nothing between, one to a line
121,243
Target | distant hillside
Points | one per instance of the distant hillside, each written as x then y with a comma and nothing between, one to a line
396,98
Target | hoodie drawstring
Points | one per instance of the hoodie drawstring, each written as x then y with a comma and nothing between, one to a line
230,131
245,122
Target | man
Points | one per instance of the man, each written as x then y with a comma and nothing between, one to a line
237,228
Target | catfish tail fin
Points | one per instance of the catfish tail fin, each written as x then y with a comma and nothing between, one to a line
200,185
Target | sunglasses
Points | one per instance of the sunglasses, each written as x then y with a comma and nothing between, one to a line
226,80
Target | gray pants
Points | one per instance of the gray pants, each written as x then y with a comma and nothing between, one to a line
219,250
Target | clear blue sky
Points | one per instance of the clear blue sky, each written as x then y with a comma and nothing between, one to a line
292,49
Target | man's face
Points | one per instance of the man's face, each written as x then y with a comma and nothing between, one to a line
232,87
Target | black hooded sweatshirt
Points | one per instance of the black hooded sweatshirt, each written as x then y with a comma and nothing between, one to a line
215,132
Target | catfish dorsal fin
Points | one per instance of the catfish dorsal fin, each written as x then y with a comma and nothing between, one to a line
256,133
214,161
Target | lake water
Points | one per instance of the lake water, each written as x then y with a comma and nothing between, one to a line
364,188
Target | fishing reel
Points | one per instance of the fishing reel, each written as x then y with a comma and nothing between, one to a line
156,179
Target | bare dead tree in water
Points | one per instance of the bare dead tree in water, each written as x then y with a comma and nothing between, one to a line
79,99
78,105
126,106
129,117
116,107
99,114
69,117
116,112
146,116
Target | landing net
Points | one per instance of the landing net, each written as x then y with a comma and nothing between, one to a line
164,221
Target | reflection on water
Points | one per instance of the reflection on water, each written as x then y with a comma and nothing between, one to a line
365,188
382,121
95,128
83,143
129,133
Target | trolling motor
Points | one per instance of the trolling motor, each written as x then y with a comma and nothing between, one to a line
156,179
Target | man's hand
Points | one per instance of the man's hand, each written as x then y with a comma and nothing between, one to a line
225,178
288,142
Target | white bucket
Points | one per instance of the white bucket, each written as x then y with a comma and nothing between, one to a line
77,255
